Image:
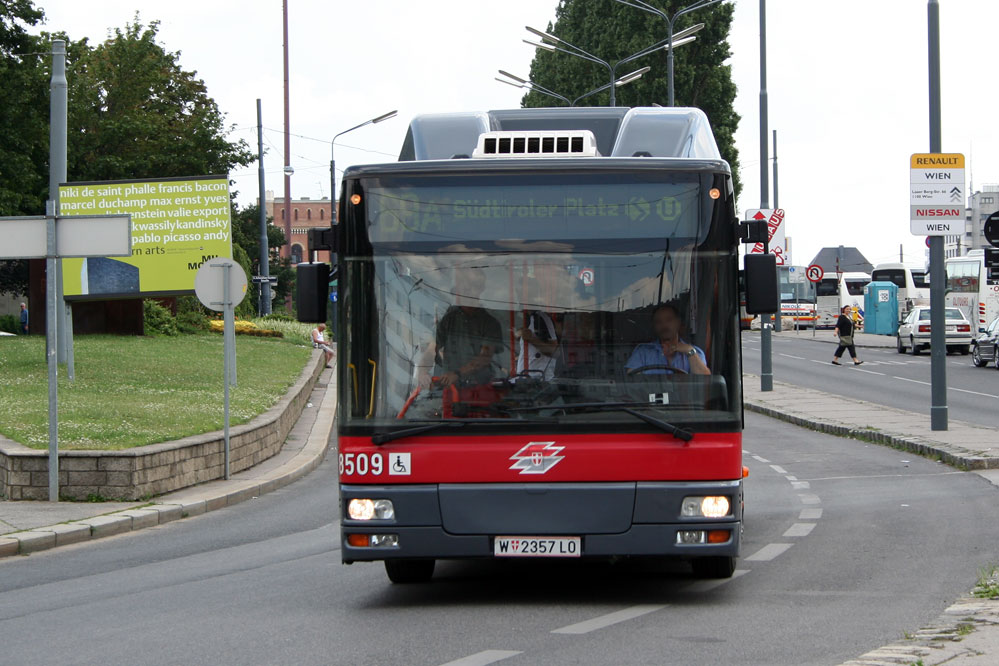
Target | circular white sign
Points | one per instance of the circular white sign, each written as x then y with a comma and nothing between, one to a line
209,286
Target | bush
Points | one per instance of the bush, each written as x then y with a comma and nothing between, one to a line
10,324
157,320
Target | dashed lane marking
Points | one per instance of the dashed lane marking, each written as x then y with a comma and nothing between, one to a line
799,530
870,372
810,514
809,499
760,459
800,358
483,658
778,469
768,552
801,485
914,381
609,619
987,395
707,585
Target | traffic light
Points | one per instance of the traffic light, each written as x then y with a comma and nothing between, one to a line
312,284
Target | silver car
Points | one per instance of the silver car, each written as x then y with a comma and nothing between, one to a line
914,331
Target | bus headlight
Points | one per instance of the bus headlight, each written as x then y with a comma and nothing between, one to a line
366,509
712,506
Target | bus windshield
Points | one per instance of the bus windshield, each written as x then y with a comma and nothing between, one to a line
963,276
507,300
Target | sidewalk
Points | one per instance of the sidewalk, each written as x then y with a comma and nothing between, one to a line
968,631
28,526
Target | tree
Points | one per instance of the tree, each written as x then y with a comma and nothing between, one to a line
24,125
246,234
135,113
613,31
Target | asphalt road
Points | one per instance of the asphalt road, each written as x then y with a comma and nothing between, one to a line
886,377
847,546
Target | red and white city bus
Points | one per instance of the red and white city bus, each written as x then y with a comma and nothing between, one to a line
576,225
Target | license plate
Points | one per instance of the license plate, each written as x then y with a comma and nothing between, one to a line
951,329
537,546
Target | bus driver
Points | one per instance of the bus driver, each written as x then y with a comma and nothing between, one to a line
668,352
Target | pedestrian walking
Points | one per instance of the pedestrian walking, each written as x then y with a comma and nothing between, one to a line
24,319
844,330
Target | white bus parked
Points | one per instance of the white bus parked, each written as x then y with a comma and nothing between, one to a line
913,284
968,289
833,294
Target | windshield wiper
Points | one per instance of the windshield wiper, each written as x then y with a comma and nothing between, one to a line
626,407
380,438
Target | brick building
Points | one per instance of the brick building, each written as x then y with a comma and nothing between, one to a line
306,214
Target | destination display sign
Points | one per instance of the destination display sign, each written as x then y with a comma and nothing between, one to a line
532,212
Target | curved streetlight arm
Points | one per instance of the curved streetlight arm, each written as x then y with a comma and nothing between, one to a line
551,47
530,85
547,37
624,80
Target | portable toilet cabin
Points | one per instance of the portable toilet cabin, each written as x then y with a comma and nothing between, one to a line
881,308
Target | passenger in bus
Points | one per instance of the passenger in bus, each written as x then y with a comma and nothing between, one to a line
539,337
537,344
668,352
467,336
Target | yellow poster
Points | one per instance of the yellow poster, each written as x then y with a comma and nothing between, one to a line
177,225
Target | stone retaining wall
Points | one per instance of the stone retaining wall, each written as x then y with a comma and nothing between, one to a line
150,470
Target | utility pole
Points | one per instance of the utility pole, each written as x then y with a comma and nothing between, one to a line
264,304
58,109
938,349
779,321
287,152
766,342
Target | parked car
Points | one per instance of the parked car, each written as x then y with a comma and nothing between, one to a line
914,331
985,347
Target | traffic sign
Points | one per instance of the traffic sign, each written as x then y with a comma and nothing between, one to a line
795,274
814,273
210,285
775,232
991,229
936,194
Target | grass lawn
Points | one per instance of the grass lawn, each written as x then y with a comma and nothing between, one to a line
131,391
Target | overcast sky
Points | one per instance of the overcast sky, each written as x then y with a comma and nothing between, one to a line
847,90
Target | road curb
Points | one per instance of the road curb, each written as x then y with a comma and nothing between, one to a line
968,629
942,452
186,502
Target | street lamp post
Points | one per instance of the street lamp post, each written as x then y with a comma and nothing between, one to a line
333,190
550,42
673,40
518,82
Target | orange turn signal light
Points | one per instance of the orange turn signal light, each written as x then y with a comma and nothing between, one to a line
355,199
745,471
359,540
714,193
719,536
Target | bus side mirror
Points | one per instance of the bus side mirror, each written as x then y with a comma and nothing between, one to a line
312,292
762,296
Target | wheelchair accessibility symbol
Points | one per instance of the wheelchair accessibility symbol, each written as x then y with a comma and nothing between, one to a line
400,464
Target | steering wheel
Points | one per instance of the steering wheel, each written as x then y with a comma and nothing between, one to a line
668,368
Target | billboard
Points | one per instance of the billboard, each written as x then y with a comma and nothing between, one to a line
177,225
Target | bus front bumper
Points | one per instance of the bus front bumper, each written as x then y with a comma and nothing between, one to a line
611,520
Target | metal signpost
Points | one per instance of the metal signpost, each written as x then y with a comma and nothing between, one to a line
220,285
936,209
814,273
52,238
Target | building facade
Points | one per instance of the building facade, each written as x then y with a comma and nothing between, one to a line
306,214
981,204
